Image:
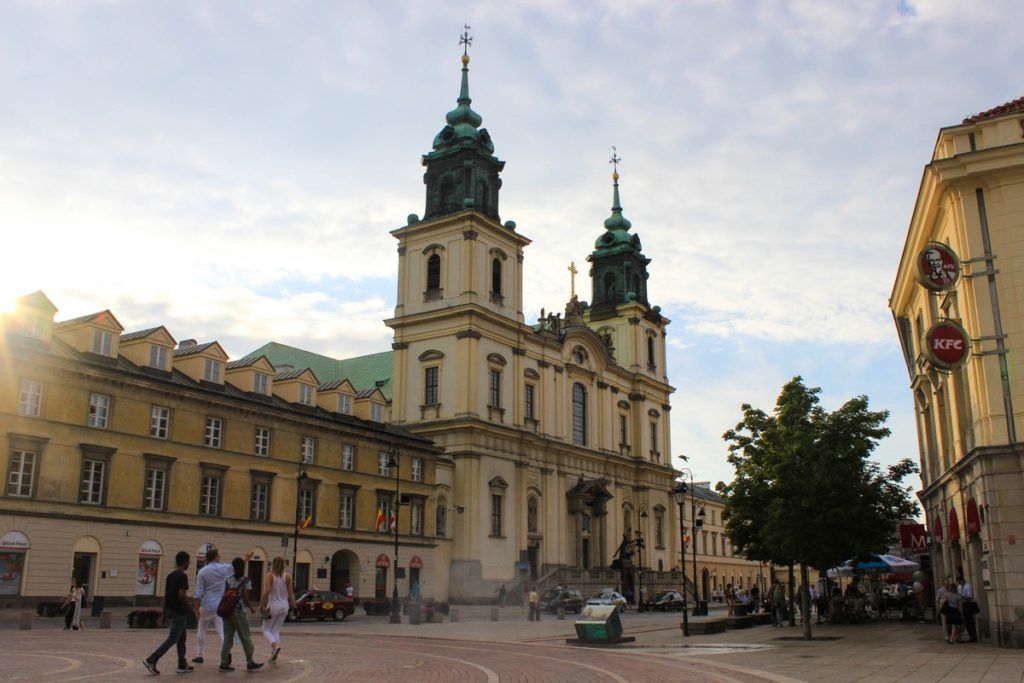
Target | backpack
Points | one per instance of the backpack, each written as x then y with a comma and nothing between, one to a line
229,601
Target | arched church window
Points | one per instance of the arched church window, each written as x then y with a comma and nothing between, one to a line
496,276
448,195
609,287
531,515
579,414
434,272
650,351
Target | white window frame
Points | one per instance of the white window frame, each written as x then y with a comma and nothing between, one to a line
159,422
416,471
261,445
347,509
102,342
22,473
306,504
260,382
30,398
307,450
99,411
214,431
376,412
209,494
344,404
383,469
211,370
90,490
305,394
154,496
348,457
158,356
259,500
416,514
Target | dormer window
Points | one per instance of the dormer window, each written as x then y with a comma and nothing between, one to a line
260,383
158,356
305,394
376,412
102,342
345,404
211,370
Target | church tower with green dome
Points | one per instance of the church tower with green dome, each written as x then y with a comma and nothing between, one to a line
462,171
619,270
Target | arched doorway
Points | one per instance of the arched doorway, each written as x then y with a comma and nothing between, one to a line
344,570
84,563
255,571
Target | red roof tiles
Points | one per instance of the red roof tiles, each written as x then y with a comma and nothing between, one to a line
1014,107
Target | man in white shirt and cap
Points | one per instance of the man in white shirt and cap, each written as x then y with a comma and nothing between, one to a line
970,607
209,591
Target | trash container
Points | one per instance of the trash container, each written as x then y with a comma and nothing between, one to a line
701,608
414,612
97,605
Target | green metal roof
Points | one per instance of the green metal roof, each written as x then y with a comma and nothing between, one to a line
364,372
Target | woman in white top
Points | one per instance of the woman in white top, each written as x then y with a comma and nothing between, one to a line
277,599
74,599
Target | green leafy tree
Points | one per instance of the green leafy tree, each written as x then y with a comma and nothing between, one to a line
804,491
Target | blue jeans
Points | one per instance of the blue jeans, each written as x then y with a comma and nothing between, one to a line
176,636
780,614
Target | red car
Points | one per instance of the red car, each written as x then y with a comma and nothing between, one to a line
317,604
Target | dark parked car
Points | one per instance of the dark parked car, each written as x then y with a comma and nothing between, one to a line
317,604
669,600
569,599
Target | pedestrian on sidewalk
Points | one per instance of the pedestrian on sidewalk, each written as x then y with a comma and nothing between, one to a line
730,599
502,594
779,602
73,619
942,606
277,599
969,607
176,606
534,602
953,615
239,587
209,589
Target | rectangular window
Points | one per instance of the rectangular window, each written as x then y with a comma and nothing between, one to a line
262,446
260,382
376,412
102,342
209,495
21,473
495,389
159,422
654,438
259,505
211,370
305,394
495,514
158,356
155,494
528,411
345,404
30,398
307,505
416,516
308,450
99,410
93,473
383,464
384,504
430,386
417,469
348,457
623,430
659,530
214,428
347,509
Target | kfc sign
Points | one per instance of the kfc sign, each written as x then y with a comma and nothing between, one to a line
937,267
946,344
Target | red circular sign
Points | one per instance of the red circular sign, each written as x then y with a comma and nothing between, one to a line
937,267
947,344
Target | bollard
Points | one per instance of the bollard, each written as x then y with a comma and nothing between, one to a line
453,615
494,614
105,619
25,621
560,611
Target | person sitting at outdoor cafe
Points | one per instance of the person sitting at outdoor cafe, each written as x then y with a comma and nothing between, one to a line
836,605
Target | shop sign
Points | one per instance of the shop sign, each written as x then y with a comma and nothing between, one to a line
937,267
383,562
947,345
15,540
151,548
12,566
146,575
912,538
415,562
973,518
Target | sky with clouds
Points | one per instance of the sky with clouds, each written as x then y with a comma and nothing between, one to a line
232,169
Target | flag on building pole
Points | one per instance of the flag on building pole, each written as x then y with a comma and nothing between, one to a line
392,524
306,522
379,525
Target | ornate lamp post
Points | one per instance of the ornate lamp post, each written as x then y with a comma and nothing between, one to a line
396,607
298,521
641,605
679,492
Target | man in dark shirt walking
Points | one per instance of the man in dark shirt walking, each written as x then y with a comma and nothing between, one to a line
176,605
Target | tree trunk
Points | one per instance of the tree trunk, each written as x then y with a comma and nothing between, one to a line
805,600
792,612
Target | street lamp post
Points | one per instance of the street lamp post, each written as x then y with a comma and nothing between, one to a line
396,607
298,521
641,605
680,495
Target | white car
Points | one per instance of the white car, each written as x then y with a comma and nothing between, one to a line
608,597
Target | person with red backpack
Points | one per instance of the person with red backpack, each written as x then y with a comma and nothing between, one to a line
237,589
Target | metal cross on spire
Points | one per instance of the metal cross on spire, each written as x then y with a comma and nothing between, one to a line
615,160
465,40
572,279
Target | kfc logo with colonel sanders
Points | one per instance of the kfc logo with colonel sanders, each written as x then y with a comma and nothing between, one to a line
937,267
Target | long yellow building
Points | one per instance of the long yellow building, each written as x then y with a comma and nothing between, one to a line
122,449
957,301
